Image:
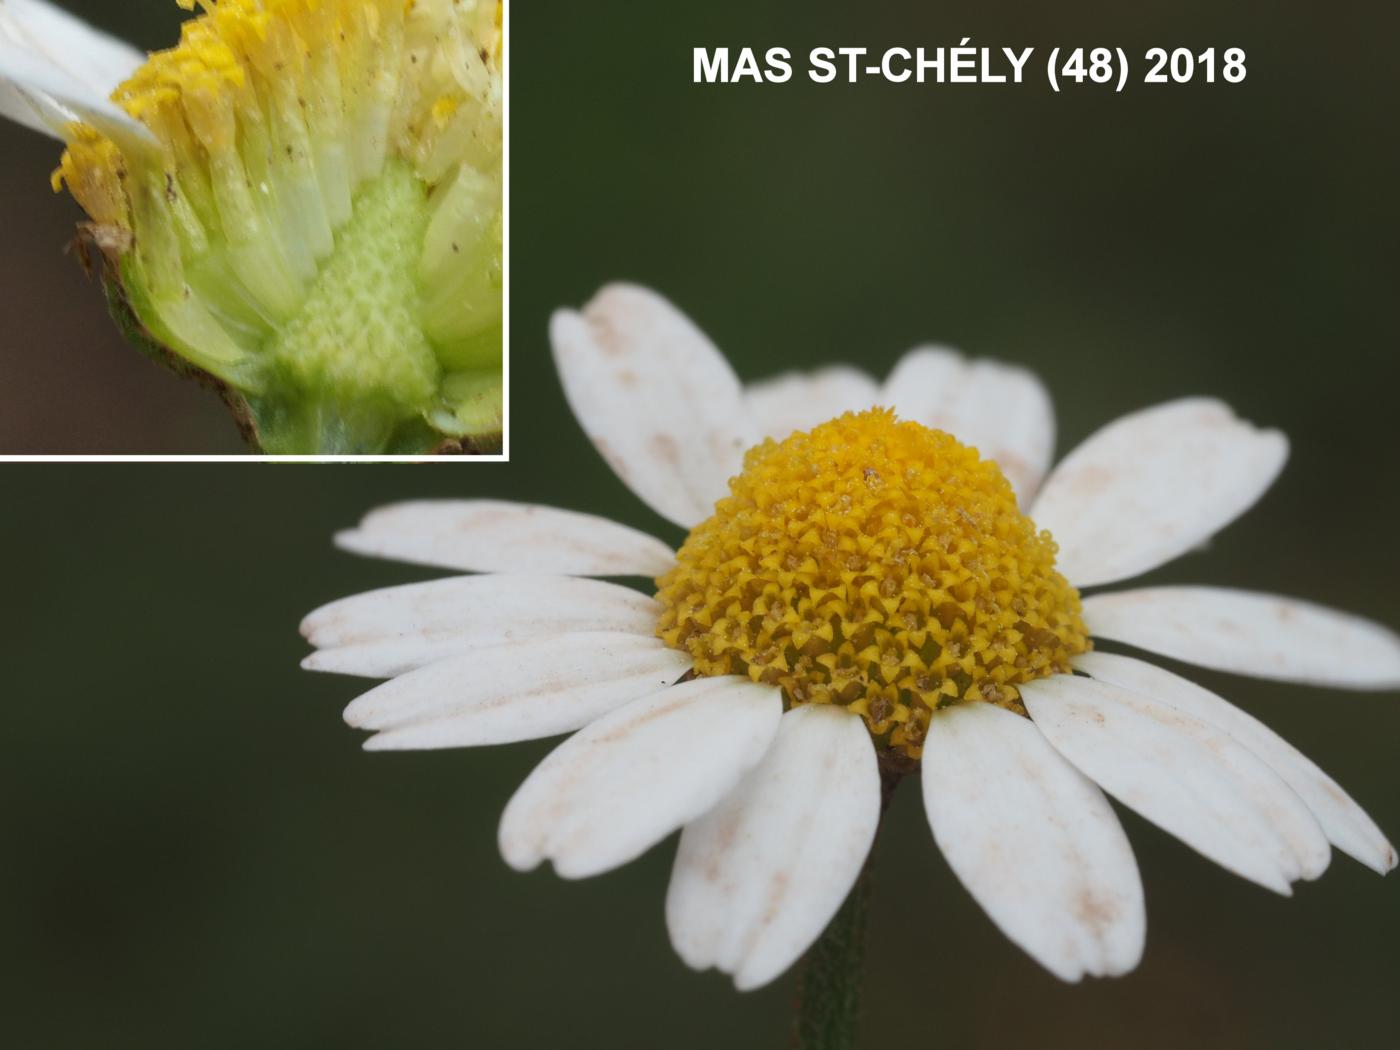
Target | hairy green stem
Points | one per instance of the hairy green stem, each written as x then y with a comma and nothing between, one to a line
828,1003
833,970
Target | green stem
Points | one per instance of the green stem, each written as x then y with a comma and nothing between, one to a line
828,997
833,970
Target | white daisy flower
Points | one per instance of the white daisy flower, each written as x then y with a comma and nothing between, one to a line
859,594
299,202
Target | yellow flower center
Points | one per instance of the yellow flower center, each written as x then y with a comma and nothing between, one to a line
875,564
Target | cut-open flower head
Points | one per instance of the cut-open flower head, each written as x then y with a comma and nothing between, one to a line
300,202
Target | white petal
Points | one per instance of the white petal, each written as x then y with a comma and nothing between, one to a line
1186,776
386,632
33,110
99,59
615,789
515,691
1343,821
1153,485
658,400
495,536
1034,841
802,400
1245,632
1002,411
758,878
55,68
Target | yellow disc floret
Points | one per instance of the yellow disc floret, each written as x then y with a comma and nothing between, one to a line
875,564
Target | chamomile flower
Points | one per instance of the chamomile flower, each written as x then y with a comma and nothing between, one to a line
300,202
876,577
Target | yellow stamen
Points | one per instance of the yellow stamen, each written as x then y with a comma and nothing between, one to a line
282,72
875,564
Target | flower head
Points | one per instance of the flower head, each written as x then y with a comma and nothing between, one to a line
887,577
301,200
877,565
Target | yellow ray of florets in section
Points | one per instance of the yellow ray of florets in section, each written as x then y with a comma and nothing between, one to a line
93,169
875,564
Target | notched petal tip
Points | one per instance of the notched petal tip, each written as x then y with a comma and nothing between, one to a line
1277,438
356,541
626,296
565,325
318,626
517,855
573,869
1316,862
752,982
393,741
334,660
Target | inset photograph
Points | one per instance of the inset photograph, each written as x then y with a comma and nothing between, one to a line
299,207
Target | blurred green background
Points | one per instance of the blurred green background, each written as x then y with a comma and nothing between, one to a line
197,853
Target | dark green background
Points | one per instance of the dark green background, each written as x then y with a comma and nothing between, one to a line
198,855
